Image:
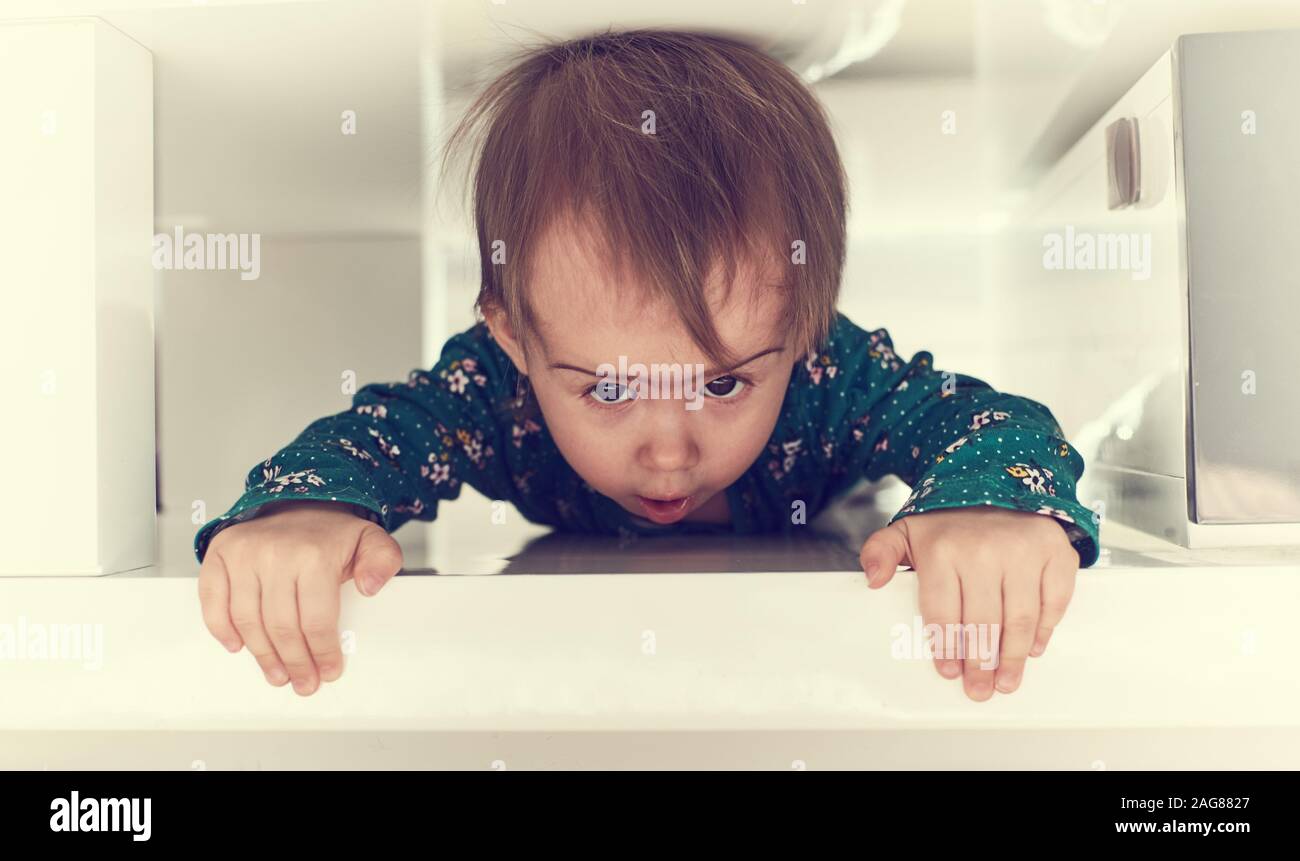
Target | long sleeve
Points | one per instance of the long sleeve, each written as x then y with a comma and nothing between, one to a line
952,438
400,449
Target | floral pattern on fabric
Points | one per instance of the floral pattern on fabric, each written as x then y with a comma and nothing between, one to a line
853,410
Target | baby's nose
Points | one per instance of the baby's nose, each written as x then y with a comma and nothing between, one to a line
669,445
670,456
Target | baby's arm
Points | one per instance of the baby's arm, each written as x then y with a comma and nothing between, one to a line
319,511
954,439
399,450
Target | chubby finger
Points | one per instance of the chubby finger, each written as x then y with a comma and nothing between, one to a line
1057,589
940,600
246,613
1021,603
882,553
280,614
377,560
318,608
214,599
981,616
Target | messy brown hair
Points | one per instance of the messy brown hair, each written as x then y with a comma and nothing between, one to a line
741,164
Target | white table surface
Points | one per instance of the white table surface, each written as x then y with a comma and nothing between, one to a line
1167,658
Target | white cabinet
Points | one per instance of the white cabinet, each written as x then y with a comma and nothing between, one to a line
76,287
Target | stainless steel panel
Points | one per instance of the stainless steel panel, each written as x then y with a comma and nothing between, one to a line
1240,135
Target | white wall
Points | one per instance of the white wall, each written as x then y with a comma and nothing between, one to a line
245,366
921,204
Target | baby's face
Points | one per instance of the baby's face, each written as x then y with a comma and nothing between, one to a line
656,457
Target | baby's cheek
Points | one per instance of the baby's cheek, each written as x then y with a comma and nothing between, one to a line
601,449
735,443
595,449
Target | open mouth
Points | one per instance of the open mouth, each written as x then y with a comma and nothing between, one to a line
664,510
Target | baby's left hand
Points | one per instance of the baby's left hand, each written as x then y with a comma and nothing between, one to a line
982,566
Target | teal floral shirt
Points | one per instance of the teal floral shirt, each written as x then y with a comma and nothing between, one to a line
853,410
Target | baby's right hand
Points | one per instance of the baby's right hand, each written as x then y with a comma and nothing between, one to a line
272,583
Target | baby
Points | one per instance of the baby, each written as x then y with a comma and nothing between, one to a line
661,207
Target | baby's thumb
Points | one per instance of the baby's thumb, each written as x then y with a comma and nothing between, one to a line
377,560
884,550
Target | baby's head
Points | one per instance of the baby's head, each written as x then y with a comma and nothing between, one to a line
656,198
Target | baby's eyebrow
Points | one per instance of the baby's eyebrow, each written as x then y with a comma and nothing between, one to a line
711,372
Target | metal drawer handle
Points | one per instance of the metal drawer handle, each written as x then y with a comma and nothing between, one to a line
1124,165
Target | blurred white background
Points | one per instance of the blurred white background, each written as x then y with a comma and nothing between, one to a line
361,271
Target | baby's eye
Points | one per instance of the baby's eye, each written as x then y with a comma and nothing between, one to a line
610,392
724,387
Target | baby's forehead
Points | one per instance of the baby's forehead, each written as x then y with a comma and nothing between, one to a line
586,320
581,287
